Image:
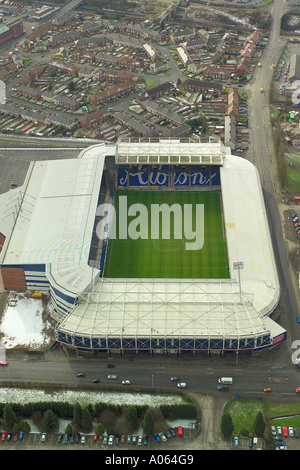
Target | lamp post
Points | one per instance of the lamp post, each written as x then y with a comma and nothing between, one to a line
239,265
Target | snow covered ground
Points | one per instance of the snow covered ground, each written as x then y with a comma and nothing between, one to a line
23,324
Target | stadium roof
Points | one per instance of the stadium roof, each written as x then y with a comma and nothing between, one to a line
197,307
169,151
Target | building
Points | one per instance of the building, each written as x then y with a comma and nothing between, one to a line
46,230
294,73
10,30
230,132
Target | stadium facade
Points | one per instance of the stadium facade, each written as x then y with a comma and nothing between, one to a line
48,243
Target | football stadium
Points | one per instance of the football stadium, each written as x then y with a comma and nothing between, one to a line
158,245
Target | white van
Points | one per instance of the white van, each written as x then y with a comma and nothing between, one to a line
225,380
112,377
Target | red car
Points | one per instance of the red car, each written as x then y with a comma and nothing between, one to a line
16,437
3,363
95,437
122,439
285,432
3,437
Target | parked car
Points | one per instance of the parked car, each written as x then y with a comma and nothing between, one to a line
83,439
129,439
111,439
123,439
250,443
66,439
279,431
140,440
16,436
285,431
156,438
3,363
173,432
291,431
71,438
162,436
134,439
236,441
77,439
4,436
296,432
117,440
95,437
44,436
9,436
145,440
273,430
21,435
105,440
60,437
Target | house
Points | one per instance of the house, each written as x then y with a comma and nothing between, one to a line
294,73
69,69
243,66
233,103
67,122
163,112
217,72
40,46
30,92
93,119
158,67
157,91
230,132
193,84
184,56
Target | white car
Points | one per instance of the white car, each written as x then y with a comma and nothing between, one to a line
162,436
111,440
291,431
181,385
44,435
112,377
126,382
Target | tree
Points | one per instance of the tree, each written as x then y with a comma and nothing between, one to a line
131,415
77,414
24,426
86,420
9,416
69,429
148,423
227,425
100,429
71,86
259,424
50,421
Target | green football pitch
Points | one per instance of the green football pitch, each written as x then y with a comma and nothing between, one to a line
158,257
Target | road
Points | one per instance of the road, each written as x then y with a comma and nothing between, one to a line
262,154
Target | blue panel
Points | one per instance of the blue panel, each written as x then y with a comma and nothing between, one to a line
187,343
122,178
128,343
215,176
200,178
140,178
99,343
172,343
159,178
201,343
114,343
143,343
216,343
181,178
246,343
158,343
231,344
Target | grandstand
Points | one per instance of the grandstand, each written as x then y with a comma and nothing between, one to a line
119,294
